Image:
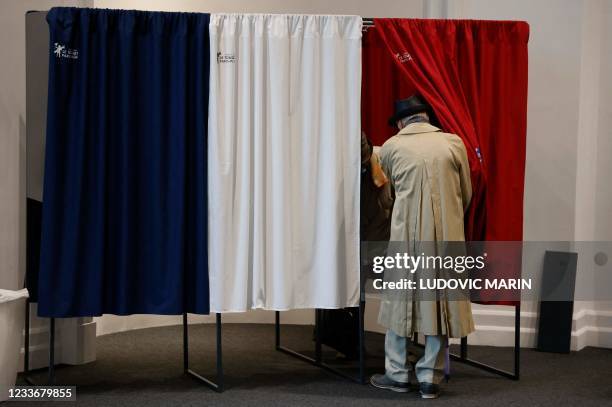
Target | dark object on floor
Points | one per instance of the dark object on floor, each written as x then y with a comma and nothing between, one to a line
34,219
381,381
557,306
429,390
339,330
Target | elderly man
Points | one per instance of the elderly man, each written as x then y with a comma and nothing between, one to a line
430,175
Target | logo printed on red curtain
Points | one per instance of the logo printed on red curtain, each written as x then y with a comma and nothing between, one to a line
403,57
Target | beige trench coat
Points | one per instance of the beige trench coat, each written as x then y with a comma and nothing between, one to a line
430,174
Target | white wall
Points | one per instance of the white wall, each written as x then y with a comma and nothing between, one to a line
593,192
603,187
601,193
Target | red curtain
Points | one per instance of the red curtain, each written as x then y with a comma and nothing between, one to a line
474,75
383,82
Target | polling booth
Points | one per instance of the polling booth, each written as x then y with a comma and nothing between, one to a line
210,163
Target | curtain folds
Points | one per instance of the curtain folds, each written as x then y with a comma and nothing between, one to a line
137,175
284,161
383,82
124,206
474,74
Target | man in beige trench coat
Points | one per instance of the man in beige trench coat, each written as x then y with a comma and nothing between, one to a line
430,175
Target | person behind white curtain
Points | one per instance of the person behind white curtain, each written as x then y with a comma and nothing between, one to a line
430,176
284,161
338,327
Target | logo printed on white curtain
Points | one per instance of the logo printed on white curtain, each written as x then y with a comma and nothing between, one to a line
61,51
226,58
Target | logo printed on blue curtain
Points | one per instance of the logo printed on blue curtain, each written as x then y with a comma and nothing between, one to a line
61,51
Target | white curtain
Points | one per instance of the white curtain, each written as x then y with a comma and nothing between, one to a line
284,161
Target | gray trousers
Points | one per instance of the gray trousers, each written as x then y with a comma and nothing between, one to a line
429,369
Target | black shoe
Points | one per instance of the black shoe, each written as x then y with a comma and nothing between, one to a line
429,391
383,382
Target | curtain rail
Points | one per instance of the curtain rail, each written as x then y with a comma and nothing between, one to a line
367,23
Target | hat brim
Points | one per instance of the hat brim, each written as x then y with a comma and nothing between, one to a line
407,112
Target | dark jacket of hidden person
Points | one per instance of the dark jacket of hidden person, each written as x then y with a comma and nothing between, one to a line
339,328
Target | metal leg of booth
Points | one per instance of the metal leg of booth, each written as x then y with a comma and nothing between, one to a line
51,376
217,386
362,370
515,375
318,358
26,350
26,346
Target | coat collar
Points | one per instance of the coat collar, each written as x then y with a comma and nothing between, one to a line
419,127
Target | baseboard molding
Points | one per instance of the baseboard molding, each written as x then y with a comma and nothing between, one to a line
494,324
74,342
108,324
496,328
592,328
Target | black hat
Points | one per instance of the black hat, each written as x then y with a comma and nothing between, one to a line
407,107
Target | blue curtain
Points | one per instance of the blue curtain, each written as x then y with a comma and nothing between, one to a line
124,223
